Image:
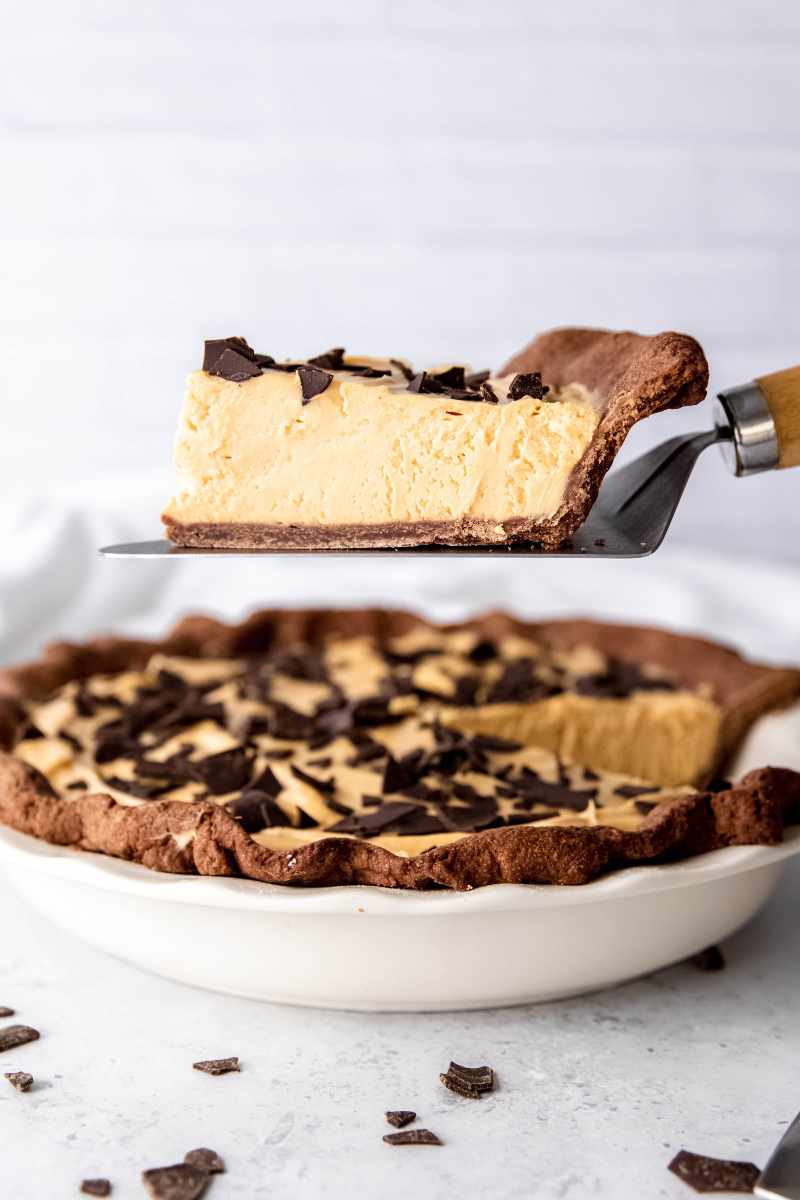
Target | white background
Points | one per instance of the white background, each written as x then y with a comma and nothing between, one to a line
429,178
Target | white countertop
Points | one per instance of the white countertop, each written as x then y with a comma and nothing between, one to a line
594,1094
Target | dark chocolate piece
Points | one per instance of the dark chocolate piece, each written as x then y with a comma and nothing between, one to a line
454,1084
227,771
96,1187
527,384
706,1174
710,959
331,360
400,1117
453,377
313,382
412,1137
6,1012
488,394
216,347
179,1182
481,1078
16,1035
256,810
20,1080
217,1066
205,1160
235,367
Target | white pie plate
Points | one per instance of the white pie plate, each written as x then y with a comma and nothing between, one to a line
380,950
376,949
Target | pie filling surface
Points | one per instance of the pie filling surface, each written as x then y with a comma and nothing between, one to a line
359,741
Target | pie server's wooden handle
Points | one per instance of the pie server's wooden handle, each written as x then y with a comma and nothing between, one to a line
781,391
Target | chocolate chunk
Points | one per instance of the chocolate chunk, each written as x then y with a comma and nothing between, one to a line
267,782
227,771
287,724
326,787
488,394
331,360
476,378
518,682
256,810
134,787
554,795
481,1078
179,1182
402,773
527,385
620,679
20,1080
96,1187
395,817
6,1012
217,1066
400,1117
706,1174
216,347
453,377
412,1137
425,384
235,367
16,1035
313,382
205,1160
710,959
629,790
454,1084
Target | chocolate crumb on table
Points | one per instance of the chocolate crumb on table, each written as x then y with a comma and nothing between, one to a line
469,1082
205,1160
96,1187
706,1174
217,1066
179,1182
6,1012
412,1137
20,1080
399,1117
17,1035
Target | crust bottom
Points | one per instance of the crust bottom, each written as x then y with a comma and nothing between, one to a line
200,839
467,532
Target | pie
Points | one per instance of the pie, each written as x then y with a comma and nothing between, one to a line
373,747
342,451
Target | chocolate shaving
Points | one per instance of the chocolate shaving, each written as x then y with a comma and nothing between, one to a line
235,367
400,1117
205,1160
481,1078
710,959
412,1137
527,385
706,1174
96,1187
16,1035
179,1182
313,382
217,1066
331,360
227,771
20,1080
326,787
256,810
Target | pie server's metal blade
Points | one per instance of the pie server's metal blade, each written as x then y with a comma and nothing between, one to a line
629,519
780,1179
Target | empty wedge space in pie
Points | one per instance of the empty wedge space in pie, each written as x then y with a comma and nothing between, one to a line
324,747
342,451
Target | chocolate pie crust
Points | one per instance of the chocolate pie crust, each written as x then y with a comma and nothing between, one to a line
201,838
632,377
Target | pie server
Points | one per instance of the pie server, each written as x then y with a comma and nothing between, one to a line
757,426
780,1179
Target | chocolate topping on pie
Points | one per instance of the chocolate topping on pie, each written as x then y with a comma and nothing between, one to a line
527,385
371,748
313,382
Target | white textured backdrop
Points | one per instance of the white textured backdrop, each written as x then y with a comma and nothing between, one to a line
431,178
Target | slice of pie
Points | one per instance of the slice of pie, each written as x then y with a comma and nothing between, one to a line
342,451
374,747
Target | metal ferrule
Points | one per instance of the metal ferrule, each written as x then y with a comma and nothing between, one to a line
754,444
